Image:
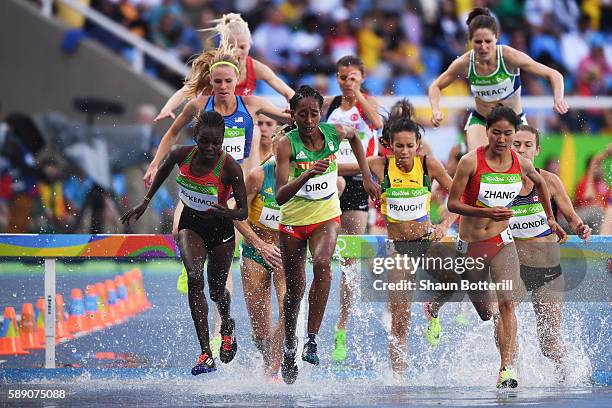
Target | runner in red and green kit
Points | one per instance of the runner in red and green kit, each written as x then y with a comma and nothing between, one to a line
306,172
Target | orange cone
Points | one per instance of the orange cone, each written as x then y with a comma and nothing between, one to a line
126,305
28,330
40,321
129,285
114,312
77,323
10,344
92,313
61,324
103,304
141,295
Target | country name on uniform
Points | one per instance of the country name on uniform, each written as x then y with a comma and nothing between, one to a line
305,165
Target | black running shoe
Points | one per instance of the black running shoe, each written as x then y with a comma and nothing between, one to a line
265,348
206,364
289,368
228,342
310,353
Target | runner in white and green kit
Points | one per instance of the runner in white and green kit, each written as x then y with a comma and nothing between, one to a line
493,72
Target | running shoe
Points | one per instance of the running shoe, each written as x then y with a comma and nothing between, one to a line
215,345
206,364
264,346
289,368
181,284
432,333
340,350
461,320
229,346
506,379
309,354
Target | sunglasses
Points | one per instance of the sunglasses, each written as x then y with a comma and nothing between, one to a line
265,122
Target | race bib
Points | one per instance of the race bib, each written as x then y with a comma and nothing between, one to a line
498,189
529,221
407,204
233,142
320,186
270,215
196,196
345,151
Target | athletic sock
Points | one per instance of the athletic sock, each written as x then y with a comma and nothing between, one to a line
312,337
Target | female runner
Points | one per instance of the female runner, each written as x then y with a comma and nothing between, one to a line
206,177
306,172
493,72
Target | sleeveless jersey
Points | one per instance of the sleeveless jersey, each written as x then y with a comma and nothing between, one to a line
496,87
317,200
355,118
247,87
201,192
529,219
405,196
264,211
238,130
488,188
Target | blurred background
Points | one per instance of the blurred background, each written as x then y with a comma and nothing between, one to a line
80,89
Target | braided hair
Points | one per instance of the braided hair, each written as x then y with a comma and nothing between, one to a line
303,92
208,120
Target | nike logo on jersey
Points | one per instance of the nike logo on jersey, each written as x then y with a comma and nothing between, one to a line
226,240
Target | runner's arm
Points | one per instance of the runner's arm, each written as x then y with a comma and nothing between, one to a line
173,103
523,61
264,72
253,183
558,193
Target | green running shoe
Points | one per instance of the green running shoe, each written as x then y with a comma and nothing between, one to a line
215,345
506,379
339,353
461,320
181,283
432,334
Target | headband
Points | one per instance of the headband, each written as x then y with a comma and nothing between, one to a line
216,64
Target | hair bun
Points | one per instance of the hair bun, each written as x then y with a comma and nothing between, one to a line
478,11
